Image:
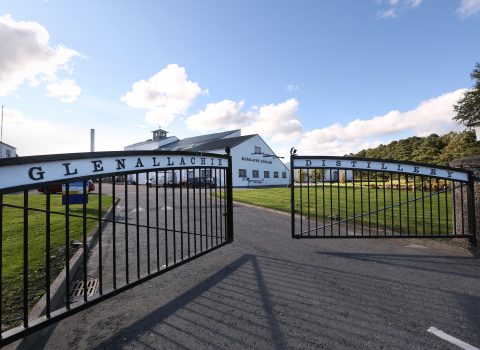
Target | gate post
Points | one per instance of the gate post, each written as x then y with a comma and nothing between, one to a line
293,152
472,195
229,197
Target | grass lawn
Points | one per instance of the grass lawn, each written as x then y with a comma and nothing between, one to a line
433,214
12,246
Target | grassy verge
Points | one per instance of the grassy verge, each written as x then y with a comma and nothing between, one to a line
430,215
12,246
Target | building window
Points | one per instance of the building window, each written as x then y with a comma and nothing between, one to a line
275,174
255,174
266,174
258,150
7,152
242,172
206,173
284,174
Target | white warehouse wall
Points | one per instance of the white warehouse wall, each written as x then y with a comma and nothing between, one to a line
242,158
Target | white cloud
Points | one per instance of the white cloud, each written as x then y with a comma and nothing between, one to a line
414,3
280,122
277,121
33,136
468,8
165,95
292,87
432,116
221,115
391,13
26,55
396,6
67,90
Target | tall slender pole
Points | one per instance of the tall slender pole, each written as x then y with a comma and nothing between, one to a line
92,140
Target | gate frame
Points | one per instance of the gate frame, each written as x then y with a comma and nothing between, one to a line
469,183
19,332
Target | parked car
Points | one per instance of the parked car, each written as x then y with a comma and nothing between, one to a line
57,188
202,182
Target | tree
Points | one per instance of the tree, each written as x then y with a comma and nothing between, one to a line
429,150
432,149
461,145
468,107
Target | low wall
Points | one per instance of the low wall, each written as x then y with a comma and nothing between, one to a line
472,164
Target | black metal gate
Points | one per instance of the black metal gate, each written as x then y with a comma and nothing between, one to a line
76,229
345,197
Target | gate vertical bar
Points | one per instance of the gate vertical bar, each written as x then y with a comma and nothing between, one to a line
229,197
114,243
222,216
25,259
100,251
472,230
126,230
157,220
166,216
47,253
147,185
1,264
137,216
67,245
181,214
292,192
84,238
174,229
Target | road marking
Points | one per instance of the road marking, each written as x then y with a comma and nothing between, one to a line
135,210
451,339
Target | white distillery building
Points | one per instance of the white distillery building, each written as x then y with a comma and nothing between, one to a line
254,164
7,151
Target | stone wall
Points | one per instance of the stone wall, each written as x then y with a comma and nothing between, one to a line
472,164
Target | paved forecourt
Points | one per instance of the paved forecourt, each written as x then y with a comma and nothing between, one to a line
266,290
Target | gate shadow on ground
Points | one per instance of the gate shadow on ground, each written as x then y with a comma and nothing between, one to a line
263,302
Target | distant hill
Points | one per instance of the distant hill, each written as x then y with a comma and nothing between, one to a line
432,149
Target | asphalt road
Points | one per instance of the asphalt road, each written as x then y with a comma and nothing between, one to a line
267,291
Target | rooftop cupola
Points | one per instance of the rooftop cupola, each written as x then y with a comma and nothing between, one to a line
159,134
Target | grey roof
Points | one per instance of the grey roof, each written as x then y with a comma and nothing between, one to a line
221,143
193,143
6,144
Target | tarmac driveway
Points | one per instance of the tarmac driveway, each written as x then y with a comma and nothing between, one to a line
267,291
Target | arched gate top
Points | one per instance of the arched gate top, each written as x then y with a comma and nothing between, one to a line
22,172
384,165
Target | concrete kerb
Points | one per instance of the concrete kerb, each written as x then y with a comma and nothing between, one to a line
57,288
263,208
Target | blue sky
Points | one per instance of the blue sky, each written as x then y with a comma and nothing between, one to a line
329,77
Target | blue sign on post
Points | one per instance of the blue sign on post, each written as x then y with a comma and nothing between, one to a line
75,193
